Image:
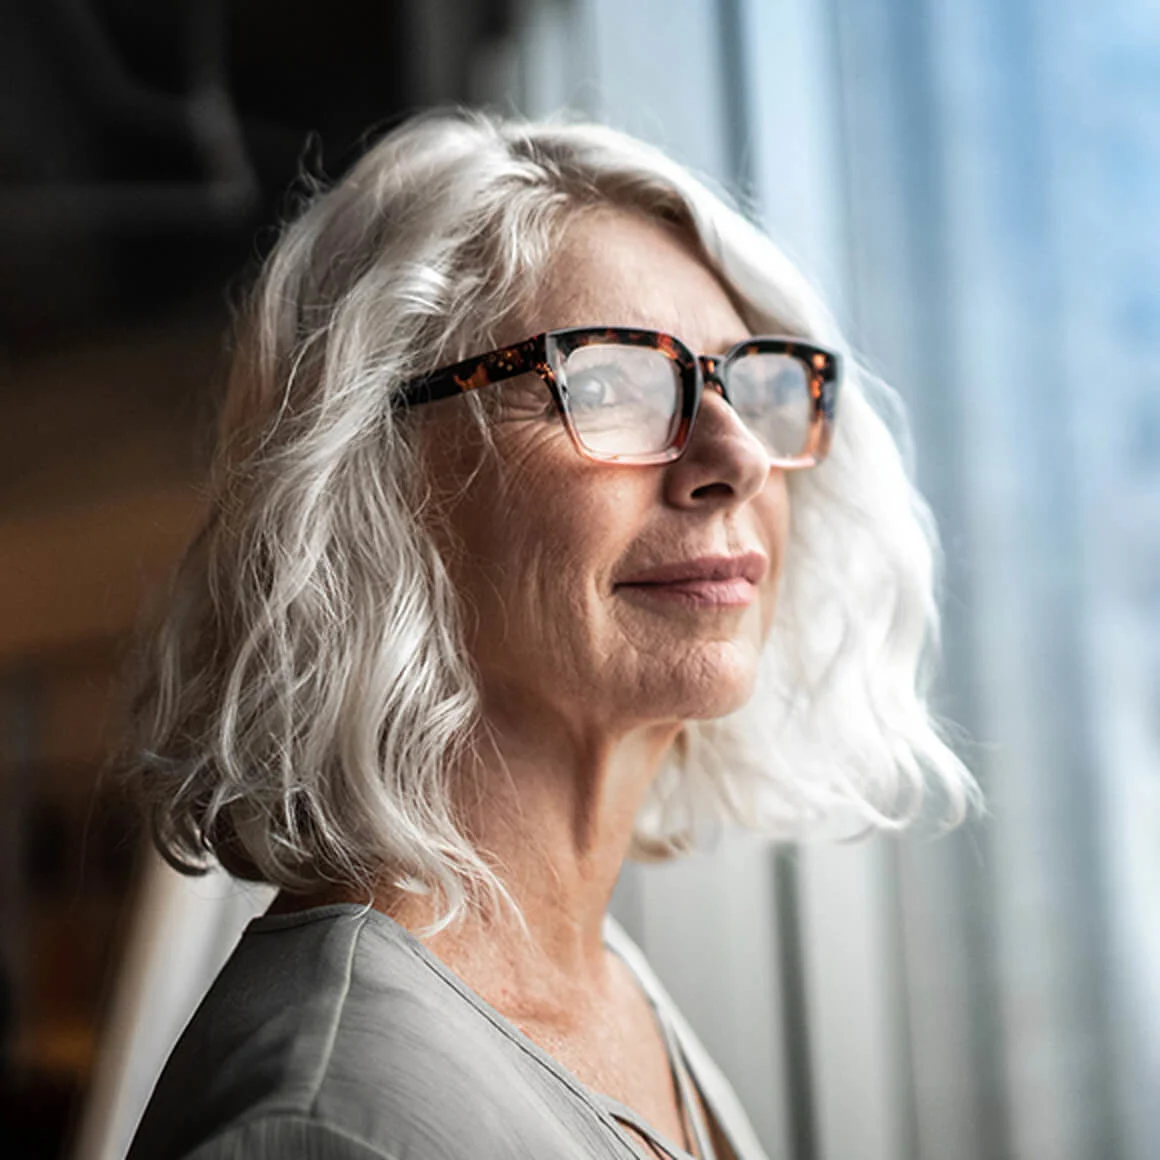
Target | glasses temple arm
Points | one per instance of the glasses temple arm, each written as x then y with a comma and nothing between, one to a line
473,373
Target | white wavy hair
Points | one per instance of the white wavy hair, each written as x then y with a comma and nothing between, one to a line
307,697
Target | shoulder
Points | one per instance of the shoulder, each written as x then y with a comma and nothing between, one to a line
331,1030
276,1136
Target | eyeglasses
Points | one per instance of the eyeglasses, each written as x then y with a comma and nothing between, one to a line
632,396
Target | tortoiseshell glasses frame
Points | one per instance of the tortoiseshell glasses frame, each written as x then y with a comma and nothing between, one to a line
544,355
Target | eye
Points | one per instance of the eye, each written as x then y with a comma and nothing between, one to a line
594,386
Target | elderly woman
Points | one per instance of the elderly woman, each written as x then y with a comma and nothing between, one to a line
549,527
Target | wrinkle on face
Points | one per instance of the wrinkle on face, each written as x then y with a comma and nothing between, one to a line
537,534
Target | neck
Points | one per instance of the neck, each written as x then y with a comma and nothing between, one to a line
554,815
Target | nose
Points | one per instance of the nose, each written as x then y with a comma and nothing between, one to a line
724,463
711,375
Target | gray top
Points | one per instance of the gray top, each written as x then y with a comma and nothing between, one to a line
335,1034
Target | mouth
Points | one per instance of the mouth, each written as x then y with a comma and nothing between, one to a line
702,582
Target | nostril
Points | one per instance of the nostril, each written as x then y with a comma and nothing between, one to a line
712,490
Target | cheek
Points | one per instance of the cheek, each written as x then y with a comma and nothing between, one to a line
560,529
533,538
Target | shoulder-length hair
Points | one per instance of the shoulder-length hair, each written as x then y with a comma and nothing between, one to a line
307,697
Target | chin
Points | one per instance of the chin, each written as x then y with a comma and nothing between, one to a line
713,681
711,708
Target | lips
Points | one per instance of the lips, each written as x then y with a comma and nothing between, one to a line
703,580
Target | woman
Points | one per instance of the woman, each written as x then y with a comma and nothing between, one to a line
535,543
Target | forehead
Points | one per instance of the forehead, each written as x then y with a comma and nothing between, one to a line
618,268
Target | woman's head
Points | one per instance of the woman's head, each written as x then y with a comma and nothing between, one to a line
375,581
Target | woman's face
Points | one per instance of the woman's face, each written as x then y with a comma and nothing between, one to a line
586,583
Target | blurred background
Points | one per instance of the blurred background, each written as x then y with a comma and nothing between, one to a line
975,186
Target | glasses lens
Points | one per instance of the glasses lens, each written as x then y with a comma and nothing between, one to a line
771,394
624,400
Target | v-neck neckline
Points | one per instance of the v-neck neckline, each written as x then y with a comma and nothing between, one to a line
606,1107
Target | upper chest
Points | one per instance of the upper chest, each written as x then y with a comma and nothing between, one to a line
618,1050
610,1040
